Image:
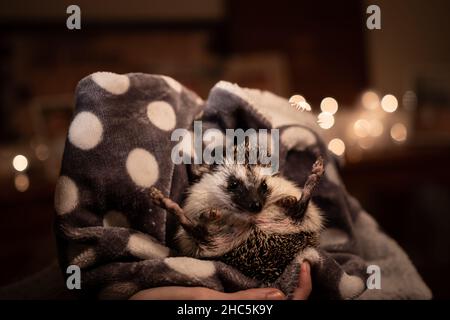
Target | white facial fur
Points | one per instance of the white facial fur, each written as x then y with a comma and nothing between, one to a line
209,193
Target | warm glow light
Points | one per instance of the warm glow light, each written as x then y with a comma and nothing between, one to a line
329,105
296,98
299,102
361,128
409,100
325,120
337,146
399,132
376,128
366,143
303,106
370,100
21,182
42,152
20,162
389,103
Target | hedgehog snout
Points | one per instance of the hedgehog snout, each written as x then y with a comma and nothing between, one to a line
255,206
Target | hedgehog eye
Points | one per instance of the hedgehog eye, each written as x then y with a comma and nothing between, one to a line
264,186
233,184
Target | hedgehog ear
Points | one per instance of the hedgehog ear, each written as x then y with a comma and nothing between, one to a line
299,210
276,174
198,170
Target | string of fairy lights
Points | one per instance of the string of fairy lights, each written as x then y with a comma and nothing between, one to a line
347,132
21,163
372,124
21,180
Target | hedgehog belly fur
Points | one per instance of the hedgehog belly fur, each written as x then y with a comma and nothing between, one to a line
264,256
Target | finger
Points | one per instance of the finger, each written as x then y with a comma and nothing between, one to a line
198,293
256,294
178,293
304,286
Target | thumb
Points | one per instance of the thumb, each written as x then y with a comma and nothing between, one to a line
256,294
304,284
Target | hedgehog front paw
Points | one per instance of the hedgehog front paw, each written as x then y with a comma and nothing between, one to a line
210,215
156,196
318,166
214,214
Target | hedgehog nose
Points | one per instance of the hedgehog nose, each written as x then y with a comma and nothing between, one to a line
255,206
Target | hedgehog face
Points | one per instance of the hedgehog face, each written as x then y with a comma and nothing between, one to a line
248,191
247,199
244,198
242,189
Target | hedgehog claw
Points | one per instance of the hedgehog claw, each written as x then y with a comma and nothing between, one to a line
318,167
210,215
156,195
214,214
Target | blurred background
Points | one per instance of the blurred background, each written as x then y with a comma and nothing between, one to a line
382,98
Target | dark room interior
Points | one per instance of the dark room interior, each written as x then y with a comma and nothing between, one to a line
394,154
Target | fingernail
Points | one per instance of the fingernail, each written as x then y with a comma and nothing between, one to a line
275,295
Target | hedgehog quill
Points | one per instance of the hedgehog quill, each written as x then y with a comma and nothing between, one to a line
254,222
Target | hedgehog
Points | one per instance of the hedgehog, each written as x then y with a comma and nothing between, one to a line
254,222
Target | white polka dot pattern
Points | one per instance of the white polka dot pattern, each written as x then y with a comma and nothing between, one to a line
66,195
191,267
350,286
142,167
144,247
112,82
85,131
175,85
161,115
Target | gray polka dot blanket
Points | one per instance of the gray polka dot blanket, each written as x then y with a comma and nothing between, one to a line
119,146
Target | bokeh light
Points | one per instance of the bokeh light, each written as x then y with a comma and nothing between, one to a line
20,162
299,102
329,104
409,100
42,152
361,127
399,132
303,106
325,120
296,98
370,100
337,146
389,103
22,182
366,143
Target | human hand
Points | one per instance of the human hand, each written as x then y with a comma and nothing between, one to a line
304,283
199,293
